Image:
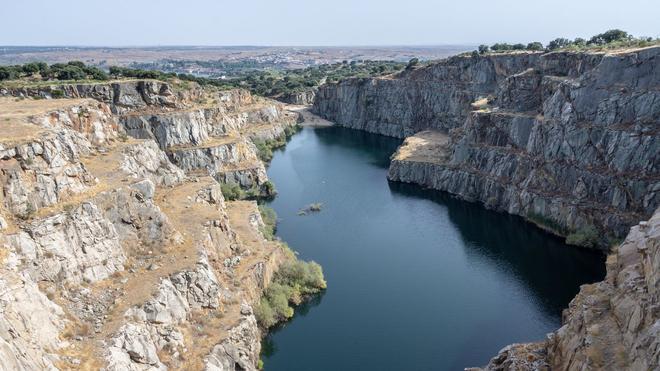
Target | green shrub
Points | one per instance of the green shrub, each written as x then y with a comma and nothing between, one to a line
305,277
268,189
412,63
558,43
609,36
9,72
587,236
269,218
294,282
264,150
56,94
500,47
290,130
265,314
232,191
534,46
265,147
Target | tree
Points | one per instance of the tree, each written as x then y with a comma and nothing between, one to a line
608,37
413,62
518,47
77,64
498,47
71,72
8,73
579,41
558,43
30,68
535,46
483,49
115,71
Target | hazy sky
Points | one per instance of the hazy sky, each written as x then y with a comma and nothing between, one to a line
308,22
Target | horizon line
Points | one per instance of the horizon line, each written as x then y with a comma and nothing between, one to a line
238,46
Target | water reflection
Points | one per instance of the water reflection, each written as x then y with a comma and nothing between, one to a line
417,280
268,346
516,247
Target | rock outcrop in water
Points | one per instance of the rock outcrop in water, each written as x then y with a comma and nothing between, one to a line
119,251
566,140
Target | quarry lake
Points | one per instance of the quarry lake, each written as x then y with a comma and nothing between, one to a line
417,280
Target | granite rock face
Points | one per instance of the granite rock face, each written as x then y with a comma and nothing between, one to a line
434,97
239,351
301,98
216,139
112,256
609,325
121,97
566,140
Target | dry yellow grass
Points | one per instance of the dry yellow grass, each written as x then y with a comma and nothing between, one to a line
15,114
426,146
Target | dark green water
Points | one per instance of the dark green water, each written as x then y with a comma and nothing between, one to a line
417,280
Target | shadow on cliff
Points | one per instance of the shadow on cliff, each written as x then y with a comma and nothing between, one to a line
536,258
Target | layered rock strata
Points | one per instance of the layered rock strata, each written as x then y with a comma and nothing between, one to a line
566,140
114,257
201,129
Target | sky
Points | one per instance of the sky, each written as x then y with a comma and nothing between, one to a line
322,23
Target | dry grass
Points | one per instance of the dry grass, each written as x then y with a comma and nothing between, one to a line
426,146
15,117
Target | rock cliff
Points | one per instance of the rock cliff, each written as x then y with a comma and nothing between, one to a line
609,325
567,140
119,251
301,98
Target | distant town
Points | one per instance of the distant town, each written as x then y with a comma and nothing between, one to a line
222,62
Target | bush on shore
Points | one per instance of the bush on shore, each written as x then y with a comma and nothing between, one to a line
587,236
295,281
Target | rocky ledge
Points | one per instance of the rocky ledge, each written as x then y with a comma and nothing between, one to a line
118,251
566,140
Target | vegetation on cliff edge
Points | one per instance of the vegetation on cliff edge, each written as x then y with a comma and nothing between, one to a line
265,147
295,280
40,71
611,39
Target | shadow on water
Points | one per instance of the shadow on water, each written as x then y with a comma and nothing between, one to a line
378,148
517,247
268,346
